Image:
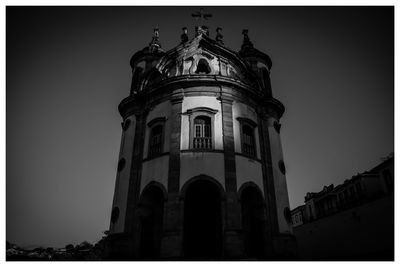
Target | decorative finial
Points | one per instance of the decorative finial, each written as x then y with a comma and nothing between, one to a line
201,30
155,42
219,36
156,32
205,30
184,35
246,40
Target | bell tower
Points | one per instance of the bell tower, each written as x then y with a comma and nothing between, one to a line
200,174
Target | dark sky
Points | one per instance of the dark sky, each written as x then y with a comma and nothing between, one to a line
67,69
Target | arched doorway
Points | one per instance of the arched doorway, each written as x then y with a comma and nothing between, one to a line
202,221
151,222
253,220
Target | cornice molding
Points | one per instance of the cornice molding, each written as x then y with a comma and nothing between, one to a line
270,107
139,103
200,109
185,81
247,120
156,120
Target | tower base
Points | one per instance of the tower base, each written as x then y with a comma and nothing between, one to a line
121,247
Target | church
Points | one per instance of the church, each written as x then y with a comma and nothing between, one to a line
201,173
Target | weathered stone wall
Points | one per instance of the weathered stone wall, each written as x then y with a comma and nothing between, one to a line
122,181
202,163
248,170
155,170
281,192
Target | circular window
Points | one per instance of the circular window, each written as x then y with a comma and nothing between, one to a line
282,166
114,214
121,164
126,124
286,213
277,126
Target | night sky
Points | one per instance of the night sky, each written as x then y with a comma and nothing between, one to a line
67,69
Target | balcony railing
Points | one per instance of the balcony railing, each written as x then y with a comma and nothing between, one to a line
202,143
248,150
154,150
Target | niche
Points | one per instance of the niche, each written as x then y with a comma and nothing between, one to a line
203,67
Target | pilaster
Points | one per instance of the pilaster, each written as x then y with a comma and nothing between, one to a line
135,177
175,145
272,228
233,242
171,244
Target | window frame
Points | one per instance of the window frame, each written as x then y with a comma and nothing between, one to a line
193,114
253,126
202,132
159,121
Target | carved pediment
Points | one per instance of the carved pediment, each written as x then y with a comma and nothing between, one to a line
200,56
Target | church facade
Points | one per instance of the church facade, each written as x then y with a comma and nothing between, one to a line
200,174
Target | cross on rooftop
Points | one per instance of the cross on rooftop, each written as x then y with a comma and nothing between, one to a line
201,15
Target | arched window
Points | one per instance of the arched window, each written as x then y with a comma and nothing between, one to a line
203,67
247,128
202,133
155,141
156,137
248,144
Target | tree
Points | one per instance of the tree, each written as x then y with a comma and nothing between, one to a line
69,247
85,245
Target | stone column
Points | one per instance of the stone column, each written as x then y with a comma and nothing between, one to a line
272,228
171,244
233,243
134,182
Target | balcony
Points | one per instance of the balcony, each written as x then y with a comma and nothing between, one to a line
202,143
